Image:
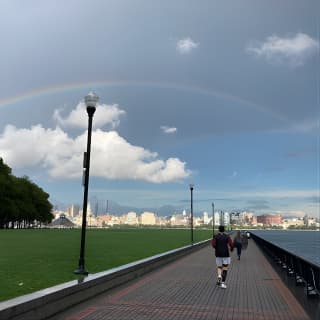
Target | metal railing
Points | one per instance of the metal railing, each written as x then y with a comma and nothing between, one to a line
304,273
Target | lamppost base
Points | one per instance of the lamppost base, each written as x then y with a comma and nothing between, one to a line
81,270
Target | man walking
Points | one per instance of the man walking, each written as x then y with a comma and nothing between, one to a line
222,242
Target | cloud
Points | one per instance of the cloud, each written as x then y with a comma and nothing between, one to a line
166,129
302,153
112,157
314,199
234,174
78,118
307,125
257,207
301,126
293,51
274,169
291,213
257,204
186,45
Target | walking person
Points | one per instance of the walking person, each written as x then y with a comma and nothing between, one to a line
222,243
237,241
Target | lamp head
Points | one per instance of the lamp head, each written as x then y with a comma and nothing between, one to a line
191,186
91,100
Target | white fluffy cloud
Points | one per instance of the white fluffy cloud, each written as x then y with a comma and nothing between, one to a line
186,45
105,114
167,129
289,50
112,156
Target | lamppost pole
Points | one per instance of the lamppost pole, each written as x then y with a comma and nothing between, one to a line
91,100
191,222
213,219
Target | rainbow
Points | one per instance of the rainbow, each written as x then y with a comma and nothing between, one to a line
95,85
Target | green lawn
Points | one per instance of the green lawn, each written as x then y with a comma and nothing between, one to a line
31,260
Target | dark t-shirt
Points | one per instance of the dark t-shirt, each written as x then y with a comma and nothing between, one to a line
220,243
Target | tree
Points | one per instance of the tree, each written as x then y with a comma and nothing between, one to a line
7,205
22,202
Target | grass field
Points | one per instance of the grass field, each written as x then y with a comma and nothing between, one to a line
31,260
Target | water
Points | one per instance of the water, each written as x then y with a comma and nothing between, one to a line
305,244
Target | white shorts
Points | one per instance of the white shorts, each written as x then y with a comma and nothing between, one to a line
220,261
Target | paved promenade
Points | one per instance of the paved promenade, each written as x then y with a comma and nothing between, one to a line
186,289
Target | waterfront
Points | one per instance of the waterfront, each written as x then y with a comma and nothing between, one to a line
305,244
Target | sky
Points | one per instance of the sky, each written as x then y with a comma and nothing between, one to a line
220,94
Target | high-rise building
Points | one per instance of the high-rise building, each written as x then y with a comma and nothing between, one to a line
148,218
217,218
206,218
270,219
131,218
73,211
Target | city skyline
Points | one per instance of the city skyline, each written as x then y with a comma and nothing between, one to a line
149,218
224,96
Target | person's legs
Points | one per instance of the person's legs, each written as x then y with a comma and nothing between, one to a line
224,272
219,269
225,264
239,251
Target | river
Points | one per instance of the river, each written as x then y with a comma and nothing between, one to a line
305,244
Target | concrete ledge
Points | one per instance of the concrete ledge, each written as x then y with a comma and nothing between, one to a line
45,303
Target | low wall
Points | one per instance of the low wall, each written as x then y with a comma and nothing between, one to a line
45,303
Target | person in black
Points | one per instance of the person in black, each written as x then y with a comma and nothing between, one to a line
237,241
221,243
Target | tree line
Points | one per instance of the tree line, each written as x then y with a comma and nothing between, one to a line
22,203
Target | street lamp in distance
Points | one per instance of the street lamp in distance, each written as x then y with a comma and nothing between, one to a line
191,210
90,100
213,219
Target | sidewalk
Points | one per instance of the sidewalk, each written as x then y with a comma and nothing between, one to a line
186,289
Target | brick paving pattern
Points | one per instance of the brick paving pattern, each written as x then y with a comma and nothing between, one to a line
186,289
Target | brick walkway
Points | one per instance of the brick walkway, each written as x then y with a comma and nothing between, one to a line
186,289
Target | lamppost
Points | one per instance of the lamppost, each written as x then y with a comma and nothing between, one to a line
191,222
213,219
90,100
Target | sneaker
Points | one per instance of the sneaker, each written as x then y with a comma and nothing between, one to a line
219,281
223,285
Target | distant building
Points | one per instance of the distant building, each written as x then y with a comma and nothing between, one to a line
309,221
270,219
61,222
131,218
293,222
235,218
73,211
247,218
57,213
206,219
254,221
179,220
114,220
148,218
217,218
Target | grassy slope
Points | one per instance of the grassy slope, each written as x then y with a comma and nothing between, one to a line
31,260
